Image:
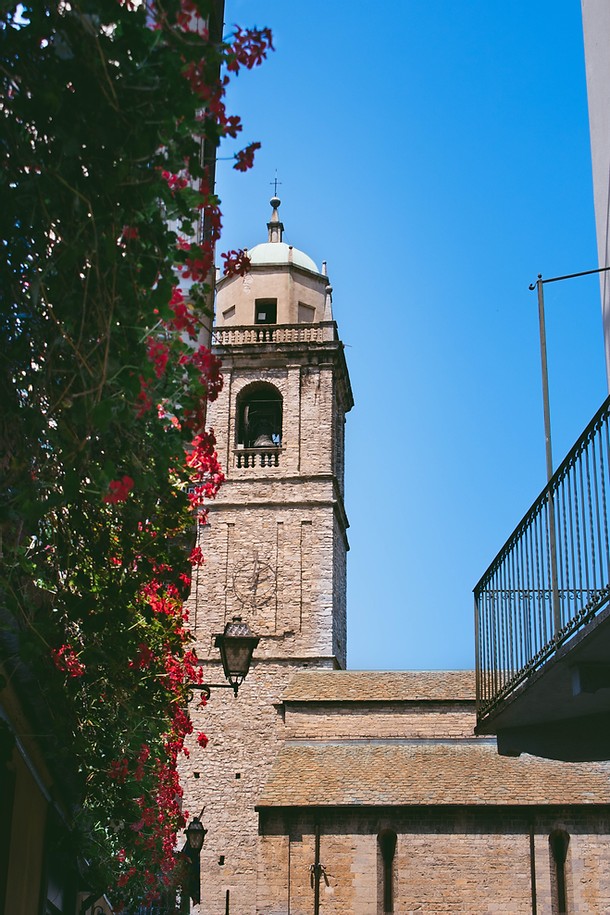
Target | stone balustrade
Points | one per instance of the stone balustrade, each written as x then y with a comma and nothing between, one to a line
257,457
244,335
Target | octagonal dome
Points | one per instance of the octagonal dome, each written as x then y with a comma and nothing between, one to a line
278,252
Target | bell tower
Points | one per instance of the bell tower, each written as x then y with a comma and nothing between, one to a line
276,543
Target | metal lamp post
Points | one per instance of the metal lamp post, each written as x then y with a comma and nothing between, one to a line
539,287
195,836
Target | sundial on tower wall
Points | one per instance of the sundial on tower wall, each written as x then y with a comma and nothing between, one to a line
254,587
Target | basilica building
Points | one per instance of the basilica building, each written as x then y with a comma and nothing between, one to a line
325,790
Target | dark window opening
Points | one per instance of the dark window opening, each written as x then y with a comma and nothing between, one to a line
387,849
259,412
559,841
265,311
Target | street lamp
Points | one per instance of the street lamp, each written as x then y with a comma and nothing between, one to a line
539,287
236,644
195,835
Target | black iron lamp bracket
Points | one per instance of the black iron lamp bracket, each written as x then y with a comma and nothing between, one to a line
206,688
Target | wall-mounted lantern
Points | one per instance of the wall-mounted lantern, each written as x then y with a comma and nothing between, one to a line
236,644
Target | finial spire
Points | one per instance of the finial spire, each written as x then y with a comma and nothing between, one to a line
328,304
275,226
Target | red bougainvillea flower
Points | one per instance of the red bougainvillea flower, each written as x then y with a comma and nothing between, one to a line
119,769
245,157
144,657
158,354
198,266
144,399
232,126
236,263
130,232
118,490
142,758
175,182
196,556
65,659
202,740
249,48
184,319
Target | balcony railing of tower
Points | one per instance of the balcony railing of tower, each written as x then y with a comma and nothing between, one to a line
258,457
245,334
552,576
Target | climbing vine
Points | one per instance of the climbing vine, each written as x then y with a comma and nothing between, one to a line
111,114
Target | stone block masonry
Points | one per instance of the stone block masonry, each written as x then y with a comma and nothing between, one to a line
471,862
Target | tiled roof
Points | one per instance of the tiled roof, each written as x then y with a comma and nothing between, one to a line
380,686
368,774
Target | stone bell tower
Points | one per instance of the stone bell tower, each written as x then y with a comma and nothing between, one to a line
276,541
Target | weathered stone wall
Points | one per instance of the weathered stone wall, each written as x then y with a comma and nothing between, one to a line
339,591
227,777
339,440
290,518
447,860
293,610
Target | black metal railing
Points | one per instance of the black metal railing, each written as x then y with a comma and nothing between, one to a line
553,573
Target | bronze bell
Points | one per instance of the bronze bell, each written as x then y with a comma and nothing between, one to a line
263,440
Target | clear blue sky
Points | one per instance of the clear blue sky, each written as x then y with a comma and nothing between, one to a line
436,154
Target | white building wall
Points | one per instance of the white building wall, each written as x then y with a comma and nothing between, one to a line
596,28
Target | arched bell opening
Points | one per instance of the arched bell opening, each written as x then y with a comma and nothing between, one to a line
259,417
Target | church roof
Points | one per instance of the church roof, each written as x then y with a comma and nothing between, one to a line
360,773
380,686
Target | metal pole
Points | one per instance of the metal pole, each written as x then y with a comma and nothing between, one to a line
549,455
545,379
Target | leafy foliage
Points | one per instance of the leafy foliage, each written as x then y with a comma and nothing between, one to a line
110,119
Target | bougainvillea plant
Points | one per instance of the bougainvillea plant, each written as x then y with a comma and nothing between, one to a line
111,114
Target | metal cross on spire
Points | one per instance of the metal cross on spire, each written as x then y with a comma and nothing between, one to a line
275,183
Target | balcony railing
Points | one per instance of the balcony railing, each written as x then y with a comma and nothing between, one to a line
257,457
240,335
553,573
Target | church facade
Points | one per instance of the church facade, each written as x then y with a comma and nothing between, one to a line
323,789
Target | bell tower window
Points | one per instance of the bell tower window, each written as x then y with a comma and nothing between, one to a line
259,417
265,311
